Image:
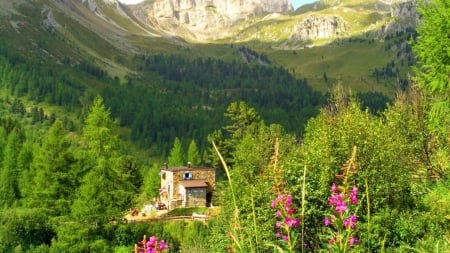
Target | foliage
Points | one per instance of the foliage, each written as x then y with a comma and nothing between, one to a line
432,48
342,220
9,174
105,191
26,228
152,182
54,179
176,156
193,154
432,73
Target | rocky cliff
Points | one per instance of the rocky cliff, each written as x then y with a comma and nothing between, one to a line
404,17
319,27
206,16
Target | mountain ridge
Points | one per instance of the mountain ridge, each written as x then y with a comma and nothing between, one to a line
109,31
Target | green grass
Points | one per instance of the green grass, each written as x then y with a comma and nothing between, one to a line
348,63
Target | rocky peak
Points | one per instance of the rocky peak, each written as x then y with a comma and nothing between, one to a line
207,16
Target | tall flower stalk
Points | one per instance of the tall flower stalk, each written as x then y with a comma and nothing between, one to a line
288,225
342,219
287,221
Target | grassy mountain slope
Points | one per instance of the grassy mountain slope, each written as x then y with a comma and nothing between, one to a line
110,34
161,86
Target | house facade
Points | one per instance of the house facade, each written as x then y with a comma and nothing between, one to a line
187,186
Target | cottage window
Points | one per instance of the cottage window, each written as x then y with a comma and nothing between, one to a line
187,176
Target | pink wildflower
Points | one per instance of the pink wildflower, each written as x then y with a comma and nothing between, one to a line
326,221
353,197
352,240
273,204
334,188
288,202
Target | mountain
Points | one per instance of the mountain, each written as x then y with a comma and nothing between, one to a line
204,19
109,32
219,21
169,68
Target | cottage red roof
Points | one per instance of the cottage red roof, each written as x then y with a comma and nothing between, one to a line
194,184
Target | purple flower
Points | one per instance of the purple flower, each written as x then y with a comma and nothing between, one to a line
278,224
280,197
290,211
288,202
341,206
334,188
334,199
278,234
326,221
350,222
278,214
353,197
163,245
273,204
285,238
352,240
292,222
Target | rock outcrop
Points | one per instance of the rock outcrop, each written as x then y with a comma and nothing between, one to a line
319,27
203,15
405,17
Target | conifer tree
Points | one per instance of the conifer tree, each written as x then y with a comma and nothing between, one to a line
105,191
432,49
9,174
176,156
433,75
54,179
194,154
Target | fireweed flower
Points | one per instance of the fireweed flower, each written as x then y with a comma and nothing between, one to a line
163,245
334,188
153,246
326,221
291,222
288,201
342,224
273,204
352,240
287,222
341,206
353,197
350,222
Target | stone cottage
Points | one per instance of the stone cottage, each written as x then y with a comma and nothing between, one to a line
187,186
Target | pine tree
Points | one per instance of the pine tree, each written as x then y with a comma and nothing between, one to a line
54,179
9,174
193,154
105,191
176,157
